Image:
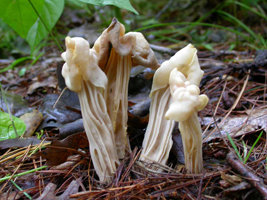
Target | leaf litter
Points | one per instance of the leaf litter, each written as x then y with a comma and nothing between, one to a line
70,173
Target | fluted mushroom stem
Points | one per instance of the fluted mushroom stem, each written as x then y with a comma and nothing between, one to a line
118,71
99,131
158,137
192,143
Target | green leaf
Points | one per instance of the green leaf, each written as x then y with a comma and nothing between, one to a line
6,128
119,3
47,19
19,14
31,19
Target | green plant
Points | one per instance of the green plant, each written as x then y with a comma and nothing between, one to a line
243,33
31,19
23,70
22,173
39,135
34,19
17,128
20,189
246,155
7,39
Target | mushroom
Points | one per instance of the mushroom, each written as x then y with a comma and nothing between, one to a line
186,103
118,53
158,136
157,142
83,75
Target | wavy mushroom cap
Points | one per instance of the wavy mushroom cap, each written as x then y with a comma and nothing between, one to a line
186,98
81,64
141,47
185,61
70,71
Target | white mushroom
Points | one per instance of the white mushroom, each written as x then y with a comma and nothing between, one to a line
83,75
186,103
157,142
158,137
118,53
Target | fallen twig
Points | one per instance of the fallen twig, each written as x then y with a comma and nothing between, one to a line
242,169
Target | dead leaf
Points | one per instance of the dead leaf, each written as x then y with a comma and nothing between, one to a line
11,195
137,122
19,142
72,189
237,126
61,114
49,191
17,105
71,128
237,191
140,109
71,161
32,121
231,179
60,150
51,82
177,147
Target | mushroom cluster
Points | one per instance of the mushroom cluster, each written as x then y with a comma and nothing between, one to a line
100,76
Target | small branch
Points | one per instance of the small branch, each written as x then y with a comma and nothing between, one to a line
161,49
242,169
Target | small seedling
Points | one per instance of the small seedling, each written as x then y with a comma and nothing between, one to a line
246,155
39,135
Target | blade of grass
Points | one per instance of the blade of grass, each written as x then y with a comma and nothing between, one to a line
24,69
250,151
169,39
16,62
19,188
234,146
22,173
194,24
241,24
251,9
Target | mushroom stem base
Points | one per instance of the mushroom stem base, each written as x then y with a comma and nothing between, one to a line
99,131
192,143
158,137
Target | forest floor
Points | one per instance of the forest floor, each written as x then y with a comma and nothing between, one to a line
35,168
